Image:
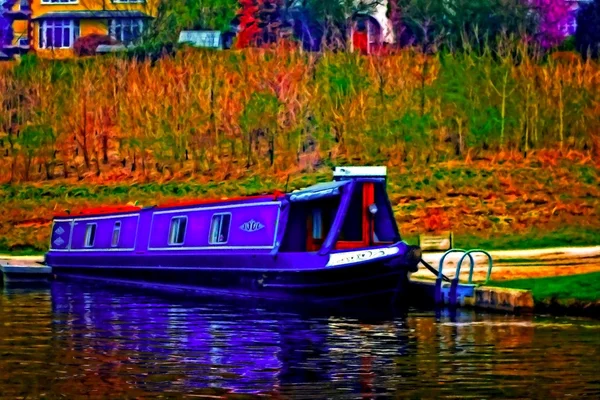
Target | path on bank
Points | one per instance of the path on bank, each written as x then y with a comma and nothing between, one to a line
508,264
517,264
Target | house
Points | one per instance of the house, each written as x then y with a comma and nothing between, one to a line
51,27
207,39
369,29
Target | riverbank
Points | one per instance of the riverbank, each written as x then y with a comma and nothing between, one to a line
521,264
575,294
563,281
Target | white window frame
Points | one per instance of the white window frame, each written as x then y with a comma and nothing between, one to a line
58,2
174,228
72,25
115,22
117,230
90,239
219,227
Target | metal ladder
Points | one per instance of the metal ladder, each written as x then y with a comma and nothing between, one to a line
458,290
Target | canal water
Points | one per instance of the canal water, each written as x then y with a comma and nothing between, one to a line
71,340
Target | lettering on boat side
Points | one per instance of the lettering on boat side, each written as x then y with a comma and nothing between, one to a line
359,256
251,226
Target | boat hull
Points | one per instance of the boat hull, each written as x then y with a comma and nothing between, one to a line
374,280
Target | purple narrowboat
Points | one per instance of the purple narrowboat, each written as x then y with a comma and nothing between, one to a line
331,241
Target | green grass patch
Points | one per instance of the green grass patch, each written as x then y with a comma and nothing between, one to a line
584,287
413,240
21,252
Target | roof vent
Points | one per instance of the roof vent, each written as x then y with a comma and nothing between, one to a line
341,173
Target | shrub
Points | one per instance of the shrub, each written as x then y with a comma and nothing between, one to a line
87,45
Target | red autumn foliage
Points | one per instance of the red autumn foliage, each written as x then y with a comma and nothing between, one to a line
259,23
248,23
87,45
436,220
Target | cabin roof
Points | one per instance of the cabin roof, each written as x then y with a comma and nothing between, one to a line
189,203
224,200
318,191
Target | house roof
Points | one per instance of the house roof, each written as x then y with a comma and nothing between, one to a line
16,14
92,15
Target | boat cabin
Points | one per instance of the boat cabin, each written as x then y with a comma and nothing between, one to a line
351,212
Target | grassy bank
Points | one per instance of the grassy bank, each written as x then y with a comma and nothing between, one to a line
578,294
521,203
584,287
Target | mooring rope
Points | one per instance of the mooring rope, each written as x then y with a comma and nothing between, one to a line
434,271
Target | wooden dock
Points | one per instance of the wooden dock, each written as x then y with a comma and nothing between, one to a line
477,296
24,271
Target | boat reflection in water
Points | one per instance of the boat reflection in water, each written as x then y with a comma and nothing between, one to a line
178,345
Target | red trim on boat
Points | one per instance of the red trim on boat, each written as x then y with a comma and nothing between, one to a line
368,198
101,211
367,222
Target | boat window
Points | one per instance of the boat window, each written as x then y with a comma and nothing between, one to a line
352,230
317,224
90,235
116,234
177,230
219,228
